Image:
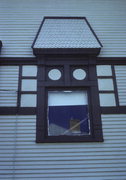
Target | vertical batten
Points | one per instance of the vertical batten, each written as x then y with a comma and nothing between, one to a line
8,85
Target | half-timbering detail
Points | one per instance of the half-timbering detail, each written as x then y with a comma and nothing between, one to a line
67,88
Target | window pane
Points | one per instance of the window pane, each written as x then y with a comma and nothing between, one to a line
107,99
79,74
28,100
105,84
67,113
54,74
29,85
104,70
29,70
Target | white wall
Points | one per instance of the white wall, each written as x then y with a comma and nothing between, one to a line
8,85
20,20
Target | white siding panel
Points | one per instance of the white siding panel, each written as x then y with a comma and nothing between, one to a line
121,83
22,158
20,20
8,85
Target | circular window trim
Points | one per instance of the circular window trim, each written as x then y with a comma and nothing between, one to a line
79,74
54,74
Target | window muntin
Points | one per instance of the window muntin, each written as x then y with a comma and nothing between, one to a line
68,113
107,86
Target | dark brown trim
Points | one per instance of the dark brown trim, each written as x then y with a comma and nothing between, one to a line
84,51
111,61
28,92
40,123
68,57
59,60
44,84
68,139
105,77
113,110
107,92
11,61
64,17
95,103
0,45
115,86
19,88
29,77
16,110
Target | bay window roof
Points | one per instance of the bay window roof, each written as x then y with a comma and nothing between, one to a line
69,35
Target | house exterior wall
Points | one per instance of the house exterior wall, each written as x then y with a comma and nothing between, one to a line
8,85
20,156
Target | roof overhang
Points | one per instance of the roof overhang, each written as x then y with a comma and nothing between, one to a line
66,35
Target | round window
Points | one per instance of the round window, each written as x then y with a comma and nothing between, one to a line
79,74
54,74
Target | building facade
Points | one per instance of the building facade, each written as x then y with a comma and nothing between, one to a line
37,84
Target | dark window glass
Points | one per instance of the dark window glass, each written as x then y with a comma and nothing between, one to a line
67,113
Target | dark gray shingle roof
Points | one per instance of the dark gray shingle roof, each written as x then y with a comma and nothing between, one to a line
66,33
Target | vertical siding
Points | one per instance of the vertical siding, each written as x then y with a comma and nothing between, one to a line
22,158
121,83
8,85
20,20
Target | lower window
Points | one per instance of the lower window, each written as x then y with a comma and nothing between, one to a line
68,113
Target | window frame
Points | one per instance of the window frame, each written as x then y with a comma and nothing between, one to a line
68,89
67,82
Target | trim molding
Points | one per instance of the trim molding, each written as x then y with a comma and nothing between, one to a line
36,61
0,45
113,110
16,110
18,61
111,60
